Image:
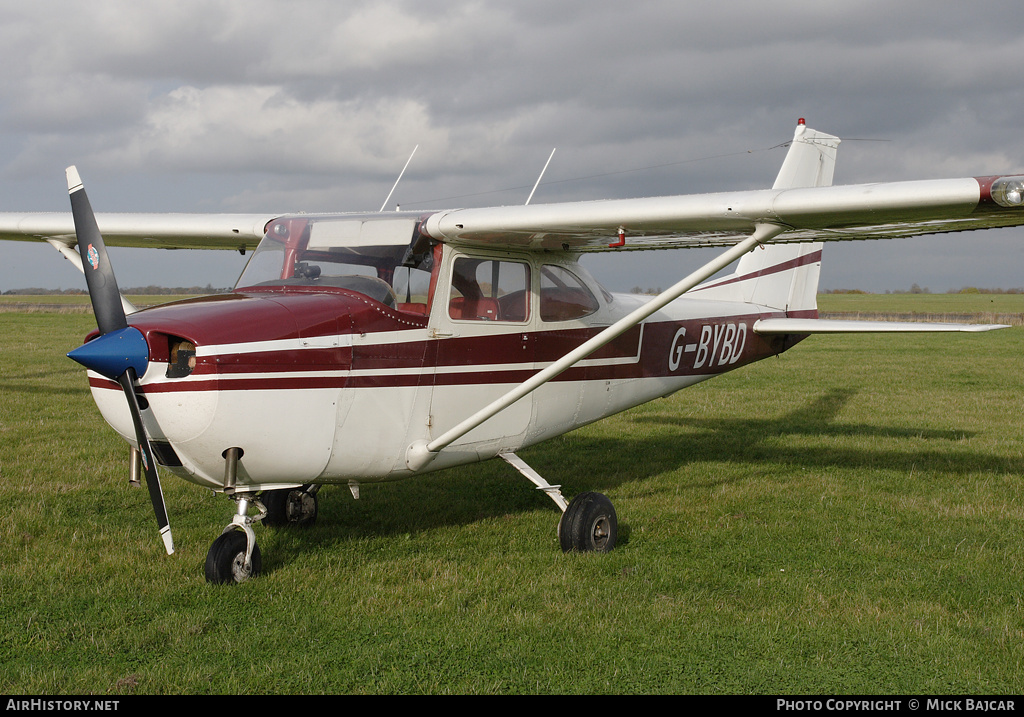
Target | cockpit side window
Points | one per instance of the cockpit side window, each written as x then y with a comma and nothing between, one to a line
563,295
414,280
489,290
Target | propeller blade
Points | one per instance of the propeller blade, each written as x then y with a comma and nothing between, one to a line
120,352
103,291
156,494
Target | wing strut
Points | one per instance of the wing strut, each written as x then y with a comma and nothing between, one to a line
421,453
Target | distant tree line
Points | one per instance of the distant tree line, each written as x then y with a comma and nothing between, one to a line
915,289
133,291
208,289
648,290
977,290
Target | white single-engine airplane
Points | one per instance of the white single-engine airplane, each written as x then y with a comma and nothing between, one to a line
359,348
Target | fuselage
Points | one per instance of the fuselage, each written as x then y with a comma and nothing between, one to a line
329,380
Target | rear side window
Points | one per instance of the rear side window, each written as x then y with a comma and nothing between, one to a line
490,290
563,296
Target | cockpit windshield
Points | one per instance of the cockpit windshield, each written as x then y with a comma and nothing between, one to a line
379,257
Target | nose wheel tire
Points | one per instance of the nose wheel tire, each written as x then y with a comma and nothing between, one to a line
589,524
225,563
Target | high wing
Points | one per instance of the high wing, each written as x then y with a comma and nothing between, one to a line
804,209
156,231
802,203
849,212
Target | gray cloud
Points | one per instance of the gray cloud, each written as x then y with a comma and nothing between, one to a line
315,105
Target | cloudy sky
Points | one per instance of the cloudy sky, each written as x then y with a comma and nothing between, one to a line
315,105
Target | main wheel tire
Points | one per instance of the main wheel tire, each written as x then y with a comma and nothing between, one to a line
290,506
589,524
225,563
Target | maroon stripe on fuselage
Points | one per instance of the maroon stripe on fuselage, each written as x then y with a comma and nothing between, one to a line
289,360
697,347
799,261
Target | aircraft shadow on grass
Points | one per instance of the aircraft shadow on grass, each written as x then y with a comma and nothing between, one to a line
490,490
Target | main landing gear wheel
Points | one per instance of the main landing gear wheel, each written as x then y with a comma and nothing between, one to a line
225,563
290,506
589,524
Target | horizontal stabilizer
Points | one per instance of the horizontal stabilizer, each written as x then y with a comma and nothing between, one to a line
838,326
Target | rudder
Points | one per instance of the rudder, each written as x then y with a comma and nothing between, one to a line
785,276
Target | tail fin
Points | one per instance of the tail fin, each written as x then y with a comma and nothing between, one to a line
785,276
811,160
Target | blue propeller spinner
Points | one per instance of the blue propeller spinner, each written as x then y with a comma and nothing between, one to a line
112,354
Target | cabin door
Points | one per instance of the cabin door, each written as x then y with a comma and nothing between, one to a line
480,320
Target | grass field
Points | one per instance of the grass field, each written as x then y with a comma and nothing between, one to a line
73,303
845,519
983,308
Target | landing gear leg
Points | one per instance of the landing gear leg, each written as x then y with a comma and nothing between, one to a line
235,557
588,523
552,491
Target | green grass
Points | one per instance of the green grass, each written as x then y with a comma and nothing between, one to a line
76,302
988,308
843,519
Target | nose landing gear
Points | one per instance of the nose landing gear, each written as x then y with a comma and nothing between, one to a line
235,557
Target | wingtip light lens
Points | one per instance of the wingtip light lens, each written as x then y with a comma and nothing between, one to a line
1008,192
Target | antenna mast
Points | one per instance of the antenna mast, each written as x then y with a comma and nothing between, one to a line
400,174
537,183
